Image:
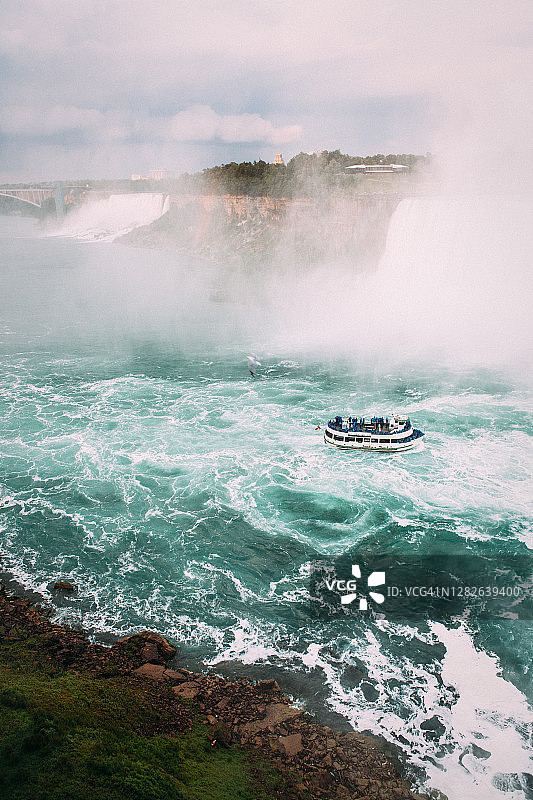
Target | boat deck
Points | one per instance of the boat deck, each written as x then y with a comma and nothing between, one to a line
379,433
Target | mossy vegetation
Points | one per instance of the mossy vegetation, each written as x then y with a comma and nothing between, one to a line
77,736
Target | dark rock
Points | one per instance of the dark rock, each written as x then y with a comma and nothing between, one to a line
324,779
275,713
150,654
222,735
64,587
139,641
152,671
166,649
292,744
479,752
187,690
343,793
433,728
175,675
370,692
268,687
353,674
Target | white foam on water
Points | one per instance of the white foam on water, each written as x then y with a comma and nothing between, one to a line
249,645
18,566
109,218
472,720
489,713
206,574
465,693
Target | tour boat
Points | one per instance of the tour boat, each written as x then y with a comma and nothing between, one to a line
384,434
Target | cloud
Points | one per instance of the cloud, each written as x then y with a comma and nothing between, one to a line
31,122
239,79
195,124
201,123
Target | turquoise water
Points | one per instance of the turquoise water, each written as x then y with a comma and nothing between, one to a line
139,459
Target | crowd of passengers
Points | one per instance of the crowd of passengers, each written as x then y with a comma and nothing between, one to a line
376,425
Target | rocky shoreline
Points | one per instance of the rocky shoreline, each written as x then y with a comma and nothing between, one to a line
320,762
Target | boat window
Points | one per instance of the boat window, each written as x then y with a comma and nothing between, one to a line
359,440
350,438
385,441
329,434
367,440
374,440
338,438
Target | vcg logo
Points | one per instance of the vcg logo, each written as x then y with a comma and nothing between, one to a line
350,586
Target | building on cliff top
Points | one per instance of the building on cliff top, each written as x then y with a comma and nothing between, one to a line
369,169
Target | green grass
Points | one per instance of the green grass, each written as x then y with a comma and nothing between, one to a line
66,736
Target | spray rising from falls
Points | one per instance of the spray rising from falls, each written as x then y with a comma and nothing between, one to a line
113,216
453,284
464,266
452,287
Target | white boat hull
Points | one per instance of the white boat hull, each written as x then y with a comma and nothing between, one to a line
373,441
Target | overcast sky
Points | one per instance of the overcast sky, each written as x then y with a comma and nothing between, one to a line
106,88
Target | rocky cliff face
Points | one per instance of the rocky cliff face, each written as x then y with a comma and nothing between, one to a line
273,231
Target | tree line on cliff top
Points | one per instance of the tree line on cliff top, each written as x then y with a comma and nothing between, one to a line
304,174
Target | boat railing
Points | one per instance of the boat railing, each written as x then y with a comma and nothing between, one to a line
366,427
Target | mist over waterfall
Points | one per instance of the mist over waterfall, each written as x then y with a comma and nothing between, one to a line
453,284
449,283
106,219
464,267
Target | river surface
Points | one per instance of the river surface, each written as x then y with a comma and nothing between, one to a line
139,459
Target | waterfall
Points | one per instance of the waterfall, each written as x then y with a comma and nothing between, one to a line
453,285
109,218
456,276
